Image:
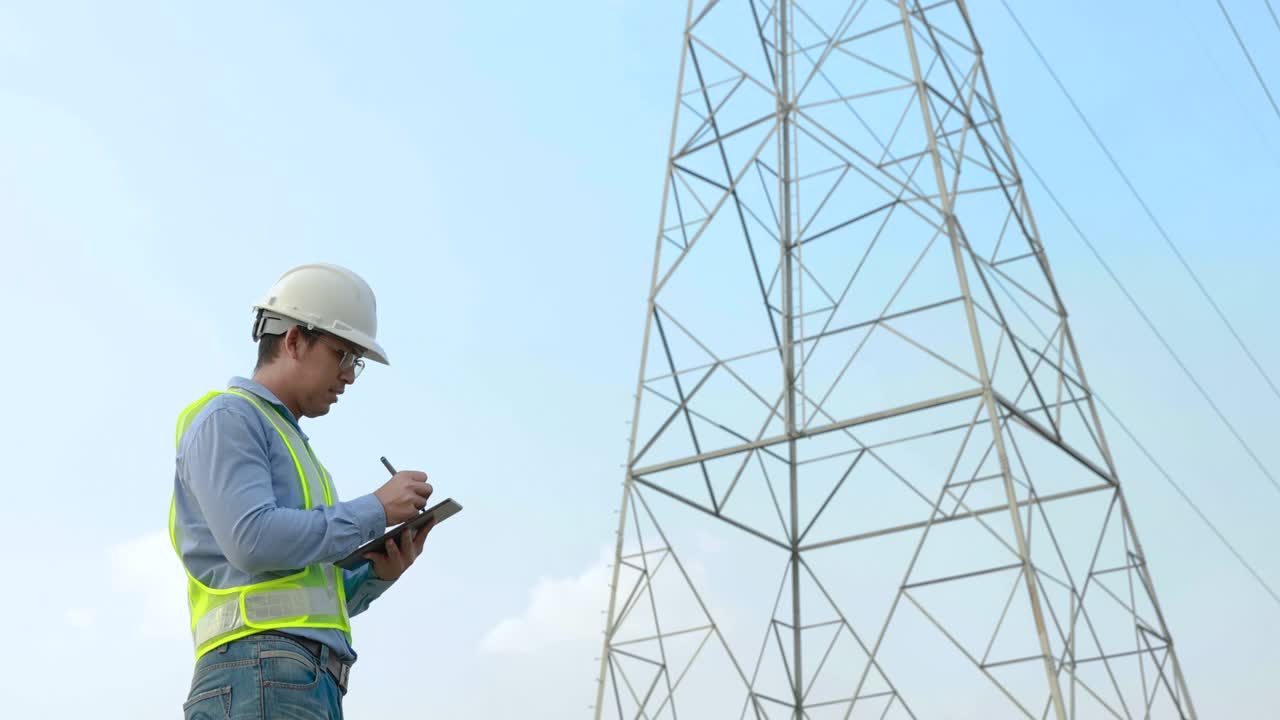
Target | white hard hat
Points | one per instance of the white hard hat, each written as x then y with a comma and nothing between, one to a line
322,297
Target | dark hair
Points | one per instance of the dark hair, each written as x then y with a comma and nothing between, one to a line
269,345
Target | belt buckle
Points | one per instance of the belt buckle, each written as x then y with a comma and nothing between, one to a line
344,671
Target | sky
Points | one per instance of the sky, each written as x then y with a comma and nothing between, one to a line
494,171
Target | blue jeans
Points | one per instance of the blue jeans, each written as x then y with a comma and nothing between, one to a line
262,676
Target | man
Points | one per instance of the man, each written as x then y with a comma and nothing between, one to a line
257,522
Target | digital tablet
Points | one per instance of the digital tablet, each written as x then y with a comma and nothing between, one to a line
440,511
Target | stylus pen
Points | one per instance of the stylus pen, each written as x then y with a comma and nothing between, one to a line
393,470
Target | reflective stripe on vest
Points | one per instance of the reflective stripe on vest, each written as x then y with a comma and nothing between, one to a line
313,597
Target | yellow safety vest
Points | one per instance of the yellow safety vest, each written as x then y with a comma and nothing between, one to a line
313,597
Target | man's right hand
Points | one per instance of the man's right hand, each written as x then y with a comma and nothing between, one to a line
404,495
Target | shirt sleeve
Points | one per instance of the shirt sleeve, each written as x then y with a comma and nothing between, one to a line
228,473
363,587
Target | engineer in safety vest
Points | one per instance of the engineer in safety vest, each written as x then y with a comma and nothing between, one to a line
256,518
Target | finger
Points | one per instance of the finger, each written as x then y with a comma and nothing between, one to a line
406,541
380,565
422,489
421,540
393,550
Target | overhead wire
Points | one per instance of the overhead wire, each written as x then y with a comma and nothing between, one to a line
1151,458
1168,241
1143,203
1194,33
1123,426
1147,320
1190,503
1257,577
1249,56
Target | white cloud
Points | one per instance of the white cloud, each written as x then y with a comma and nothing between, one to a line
146,572
560,611
147,596
80,618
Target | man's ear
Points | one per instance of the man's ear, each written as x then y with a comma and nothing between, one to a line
293,342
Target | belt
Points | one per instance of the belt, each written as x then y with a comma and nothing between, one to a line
340,670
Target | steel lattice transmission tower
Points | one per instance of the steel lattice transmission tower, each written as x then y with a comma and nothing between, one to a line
866,477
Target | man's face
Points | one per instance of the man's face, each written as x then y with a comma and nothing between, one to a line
320,375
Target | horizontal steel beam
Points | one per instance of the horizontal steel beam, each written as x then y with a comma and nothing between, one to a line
962,516
801,434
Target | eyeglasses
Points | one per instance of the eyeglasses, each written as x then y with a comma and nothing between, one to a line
347,360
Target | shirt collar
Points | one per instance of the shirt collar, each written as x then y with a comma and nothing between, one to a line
262,392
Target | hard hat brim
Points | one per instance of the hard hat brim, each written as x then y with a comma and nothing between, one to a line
372,350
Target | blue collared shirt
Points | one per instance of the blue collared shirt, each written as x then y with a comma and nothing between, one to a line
238,505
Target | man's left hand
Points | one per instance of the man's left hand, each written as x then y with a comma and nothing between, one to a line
399,556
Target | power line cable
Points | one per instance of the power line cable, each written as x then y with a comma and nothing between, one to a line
1194,33
1129,296
1151,458
1146,208
1123,426
1146,319
1249,56
1191,503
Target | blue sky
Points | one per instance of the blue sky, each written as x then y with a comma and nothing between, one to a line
494,170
